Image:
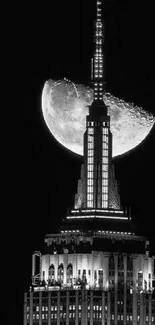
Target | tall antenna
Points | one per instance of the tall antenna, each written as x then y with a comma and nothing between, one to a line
97,62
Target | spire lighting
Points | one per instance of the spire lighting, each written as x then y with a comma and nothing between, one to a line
97,61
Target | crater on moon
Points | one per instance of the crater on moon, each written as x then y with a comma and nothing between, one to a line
65,106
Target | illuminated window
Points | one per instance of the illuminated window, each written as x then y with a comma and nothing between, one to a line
105,182
90,160
105,145
90,174
91,130
89,197
105,160
104,189
90,167
105,131
105,168
104,175
90,182
90,152
105,152
104,197
90,145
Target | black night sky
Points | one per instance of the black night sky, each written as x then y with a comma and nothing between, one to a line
55,41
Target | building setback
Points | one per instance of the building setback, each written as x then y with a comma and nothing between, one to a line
96,270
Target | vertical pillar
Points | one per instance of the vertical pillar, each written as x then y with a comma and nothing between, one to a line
67,307
40,308
31,308
25,308
125,289
109,310
144,309
58,307
76,308
65,268
103,308
91,307
49,308
116,291
141,309
134,308
84,309
150,309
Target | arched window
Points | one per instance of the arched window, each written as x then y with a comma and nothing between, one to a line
61,273
51,274
111,263
120,262
69,274
100,278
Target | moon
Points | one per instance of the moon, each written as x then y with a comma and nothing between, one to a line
65,106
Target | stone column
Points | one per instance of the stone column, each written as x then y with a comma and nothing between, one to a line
58,307
49,308
25,308
31,308
67,307
150,308
134,308
76,308
91,307
84,309
40,308
103,308
125,290
109,310
116,290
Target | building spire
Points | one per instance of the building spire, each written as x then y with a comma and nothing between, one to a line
97,61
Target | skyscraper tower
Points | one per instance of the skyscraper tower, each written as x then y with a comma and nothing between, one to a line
96,270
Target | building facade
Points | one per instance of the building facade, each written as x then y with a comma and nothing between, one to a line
96,270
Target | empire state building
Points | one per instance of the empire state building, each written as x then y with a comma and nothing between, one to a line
96,270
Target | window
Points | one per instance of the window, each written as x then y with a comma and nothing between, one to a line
90,168
104,197
105,168
90,152
105,160
104,189
90,182
90,130
105,152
